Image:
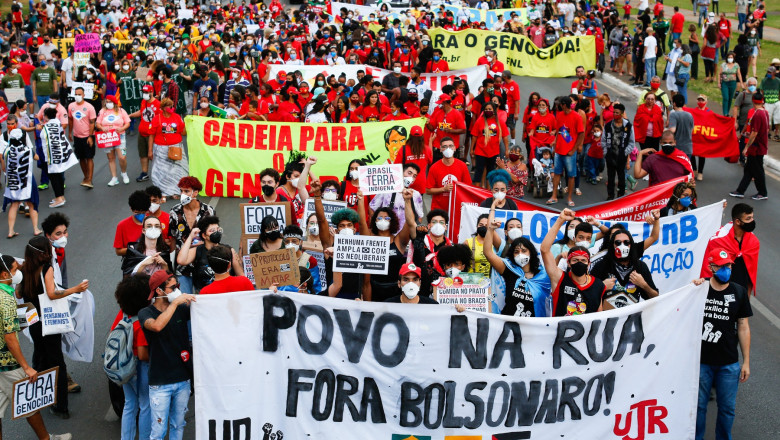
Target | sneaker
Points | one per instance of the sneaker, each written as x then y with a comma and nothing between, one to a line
737,195
113,182
125,179
142,178
65,436
759,197
73,387
43,186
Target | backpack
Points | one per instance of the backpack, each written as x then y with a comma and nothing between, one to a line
119,362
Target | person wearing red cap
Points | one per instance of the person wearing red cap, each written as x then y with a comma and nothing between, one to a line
113,117
150,106
756,147
415,151
445,122
726,325
165,324
278,82
289,110
576,292
409,283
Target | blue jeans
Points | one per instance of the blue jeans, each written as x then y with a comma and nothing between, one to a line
137,398
185,284
742,21
684,88
593,167
702,13
42,100
169,404
673,36
649,70
726,380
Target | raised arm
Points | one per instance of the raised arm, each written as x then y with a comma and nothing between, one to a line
319,211
303,193
411,222
654,219
490,254
550,265
361,205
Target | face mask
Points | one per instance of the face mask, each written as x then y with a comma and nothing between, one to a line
667,148
185,200
321,83
17,277
583,243
596,134
438,229
79,98
268,190
139,217
204,105
292,246
749,227
353,174
701,104
126,67
570,234
499,195
60,242
522,259
723,274
346,231
215,237
397,69
152,233
383,225
453,272
515,233
481,231
579,268
622,251
408,181
110,105
730,60
448,153
488,113
489,59
752,89
410,290
514,157
160,77
173,295
89,76
685,202
154,207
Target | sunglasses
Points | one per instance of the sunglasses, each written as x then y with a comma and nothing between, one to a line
619,242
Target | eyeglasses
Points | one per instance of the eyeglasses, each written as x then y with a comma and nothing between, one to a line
173,287
619,242
383,218
211,231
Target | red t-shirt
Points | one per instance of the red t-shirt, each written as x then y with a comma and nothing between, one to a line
295,201
437,66
440,175
453,120
127,231
26,70
496,130
168,129
423,161
372,114
149,110
596,151
229,284
350,196
512,93
678,22
139,339
569,128
544,126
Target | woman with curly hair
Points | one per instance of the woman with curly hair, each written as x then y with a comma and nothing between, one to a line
499,181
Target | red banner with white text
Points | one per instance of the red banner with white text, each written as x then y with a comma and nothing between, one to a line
713,135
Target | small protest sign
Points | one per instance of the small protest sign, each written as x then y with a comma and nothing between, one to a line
320,257
329,207
87,43
471,290
13,94
80,58
361,254
378,179
142,73
184,14
252,215
275,267
29,397
89,89
107,139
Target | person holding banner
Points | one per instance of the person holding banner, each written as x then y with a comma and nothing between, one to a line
622,270
113,118
576,292
384,223
16,158
409,283
683,199
60,156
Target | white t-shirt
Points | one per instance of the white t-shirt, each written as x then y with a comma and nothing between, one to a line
67,67
650,47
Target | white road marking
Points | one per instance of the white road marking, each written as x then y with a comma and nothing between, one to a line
762,309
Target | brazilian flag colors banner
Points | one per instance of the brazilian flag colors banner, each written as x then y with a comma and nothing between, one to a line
462,49
228,155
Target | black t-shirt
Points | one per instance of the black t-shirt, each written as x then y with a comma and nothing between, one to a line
170,354
423,299
519,300
721,312
607,268
510,205
569,298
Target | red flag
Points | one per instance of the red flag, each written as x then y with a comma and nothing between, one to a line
724,238
713,135
3,111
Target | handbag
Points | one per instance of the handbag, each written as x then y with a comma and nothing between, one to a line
175,152
55,314
679,82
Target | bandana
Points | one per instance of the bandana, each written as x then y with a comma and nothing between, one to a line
578,253
298,236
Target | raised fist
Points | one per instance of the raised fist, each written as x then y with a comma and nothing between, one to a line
267,428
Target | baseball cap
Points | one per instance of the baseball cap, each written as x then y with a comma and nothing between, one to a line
292,91
147,88
775,61
719,257
412,91
112,98
281,74
711,14
158,279
444,98
416,131
408,268
771,69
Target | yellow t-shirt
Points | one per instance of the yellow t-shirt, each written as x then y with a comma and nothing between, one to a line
481,263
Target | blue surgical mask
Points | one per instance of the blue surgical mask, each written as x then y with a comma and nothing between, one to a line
685,202
406,51
435,58
752,89
139,217
723,274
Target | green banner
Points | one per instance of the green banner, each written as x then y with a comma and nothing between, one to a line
130,94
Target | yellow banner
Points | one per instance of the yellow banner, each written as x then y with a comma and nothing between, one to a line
462,50
228,155
127,45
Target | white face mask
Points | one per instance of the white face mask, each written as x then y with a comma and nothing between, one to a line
160,77
522,259
126,67
294,182
147,96
448,153
584,243
17,277
110,105
408,181
346,231
383,225
185,200
453,272
396,69
292,246
499,195
154,207
89,76
353,174
570,234
173,295
314,230
410,290
79,98
60,242
152,233
515,233
730,59
622,251
204,105
596,134
330,196
438,229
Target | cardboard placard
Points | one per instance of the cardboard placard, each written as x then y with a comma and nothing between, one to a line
80,58
252,215
27,315
275,267
184,14
107,139
329,207
142,73
29,397
361,254
87,43
471,290
89,89
379,179
14,94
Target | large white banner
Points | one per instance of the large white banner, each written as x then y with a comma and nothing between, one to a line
309,367
674,260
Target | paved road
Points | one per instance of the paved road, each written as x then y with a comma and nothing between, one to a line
94,215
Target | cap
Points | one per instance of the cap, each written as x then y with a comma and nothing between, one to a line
292,91
410,268
412,91
771,69
417,131
158,279
719,257
185,36
443,98
112,98
702,96
147,88
775,61
281,74
711,14
16,133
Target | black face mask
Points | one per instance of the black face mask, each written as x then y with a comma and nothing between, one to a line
481,231
215,237
749,227
272,236
667,148
268,190
579,268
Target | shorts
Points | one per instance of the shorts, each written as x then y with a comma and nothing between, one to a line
7,379
510,121
121,149
754,52
773,112
82,149
143,146
568,163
